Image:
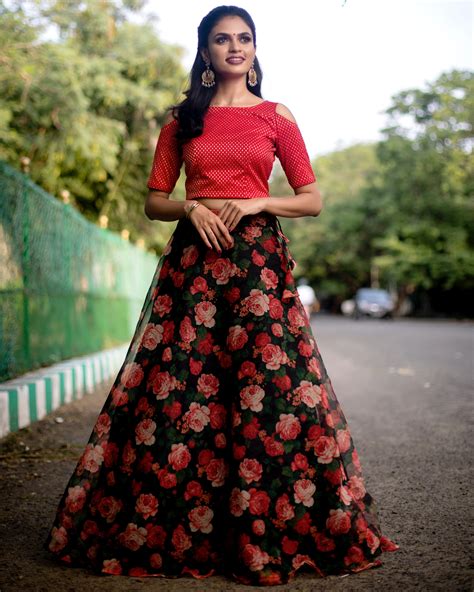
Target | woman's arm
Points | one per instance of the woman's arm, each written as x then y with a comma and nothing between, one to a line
307,201
295,160
158,206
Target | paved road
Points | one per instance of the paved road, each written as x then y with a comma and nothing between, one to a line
406,390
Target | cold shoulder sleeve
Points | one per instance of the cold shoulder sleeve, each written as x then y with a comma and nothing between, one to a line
167,161
292,153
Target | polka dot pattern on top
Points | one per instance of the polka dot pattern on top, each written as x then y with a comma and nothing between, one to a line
234,156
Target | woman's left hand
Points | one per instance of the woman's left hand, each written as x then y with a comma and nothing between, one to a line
234,209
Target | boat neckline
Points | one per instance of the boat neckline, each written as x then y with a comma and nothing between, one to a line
237,106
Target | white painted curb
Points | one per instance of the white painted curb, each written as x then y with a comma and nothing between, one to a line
30,397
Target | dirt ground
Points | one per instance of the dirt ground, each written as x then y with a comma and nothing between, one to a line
413,440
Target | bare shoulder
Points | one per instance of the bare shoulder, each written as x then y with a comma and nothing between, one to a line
170,116
285,112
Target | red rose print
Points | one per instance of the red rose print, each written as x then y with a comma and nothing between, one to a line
325,448
304,492
303,525
199,285
189,256
223,270
187,331
258,259
178,279
216,471
152,336
284,509
102,425
239,501
179,457
147,505
272,447
288,427
195,366
289,546
258,527
251,397
92,458
305,349
204,314
217,415
277,330
254,557
274,356
236,338
259,502
354,555
109,507
162,384
343,438
275,309
180,539
300,462
193,489
247,369
156,537
339,522
309,393
132,375
167,480
257,302
133,537
282,382
76,499
162,305
208,385
200,519
250,470
250,430
269,278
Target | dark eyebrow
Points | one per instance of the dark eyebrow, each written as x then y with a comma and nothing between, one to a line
244,33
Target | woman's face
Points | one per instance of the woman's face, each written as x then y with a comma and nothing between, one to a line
231,47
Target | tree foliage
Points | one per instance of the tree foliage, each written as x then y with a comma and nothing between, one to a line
85,109
400,211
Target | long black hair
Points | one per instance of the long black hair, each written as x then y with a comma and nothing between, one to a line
190,112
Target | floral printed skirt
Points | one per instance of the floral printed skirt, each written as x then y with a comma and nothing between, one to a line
221,447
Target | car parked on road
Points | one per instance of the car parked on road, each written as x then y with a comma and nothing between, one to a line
369,302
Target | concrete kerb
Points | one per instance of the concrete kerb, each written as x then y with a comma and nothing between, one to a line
28,398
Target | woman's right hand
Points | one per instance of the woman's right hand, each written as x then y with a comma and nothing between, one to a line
211,228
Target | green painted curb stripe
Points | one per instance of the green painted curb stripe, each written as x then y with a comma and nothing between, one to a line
13,409
32,398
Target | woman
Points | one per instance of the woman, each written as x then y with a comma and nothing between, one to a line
221,447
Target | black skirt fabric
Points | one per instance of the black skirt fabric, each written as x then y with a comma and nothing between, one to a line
221,447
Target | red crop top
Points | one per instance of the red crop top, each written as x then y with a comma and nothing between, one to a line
234,156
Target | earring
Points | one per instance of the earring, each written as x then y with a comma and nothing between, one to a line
208,77
252,76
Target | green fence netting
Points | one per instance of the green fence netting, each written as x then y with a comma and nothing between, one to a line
67,286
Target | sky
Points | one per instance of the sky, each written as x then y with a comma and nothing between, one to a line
336,65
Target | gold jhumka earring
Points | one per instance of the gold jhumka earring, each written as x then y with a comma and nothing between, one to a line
208,77
252,76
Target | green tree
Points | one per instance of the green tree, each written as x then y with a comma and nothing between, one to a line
86,109
399,212
425,199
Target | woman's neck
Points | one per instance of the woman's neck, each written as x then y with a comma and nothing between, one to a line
230,93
